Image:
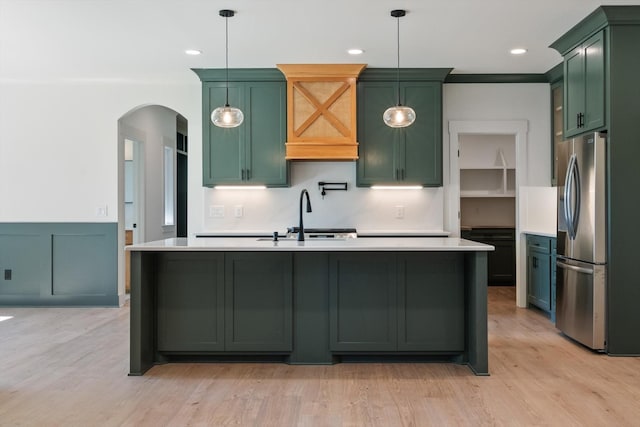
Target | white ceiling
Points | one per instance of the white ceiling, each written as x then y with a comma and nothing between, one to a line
127,40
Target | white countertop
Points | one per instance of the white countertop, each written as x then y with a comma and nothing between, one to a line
361,233
429,244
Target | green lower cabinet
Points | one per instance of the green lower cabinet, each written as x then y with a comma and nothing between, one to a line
541,272
396,302
259,299
362,302
431,314
190,301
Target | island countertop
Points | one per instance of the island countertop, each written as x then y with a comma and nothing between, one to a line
320,301
418,244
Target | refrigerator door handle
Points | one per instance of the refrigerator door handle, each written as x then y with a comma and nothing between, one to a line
575,217
568,195
574,268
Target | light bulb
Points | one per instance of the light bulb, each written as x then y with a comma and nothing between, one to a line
227,117
399,116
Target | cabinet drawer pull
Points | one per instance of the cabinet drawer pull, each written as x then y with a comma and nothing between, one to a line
242,175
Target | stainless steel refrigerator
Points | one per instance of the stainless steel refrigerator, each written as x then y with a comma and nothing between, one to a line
581,267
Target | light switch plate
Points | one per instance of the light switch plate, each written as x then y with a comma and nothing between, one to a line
101,211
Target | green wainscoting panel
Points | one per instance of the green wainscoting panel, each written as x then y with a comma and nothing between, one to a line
190,292
259,300
72,250
363,311
59,264
431,312
26,259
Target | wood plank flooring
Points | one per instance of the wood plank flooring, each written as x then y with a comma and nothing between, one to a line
68,367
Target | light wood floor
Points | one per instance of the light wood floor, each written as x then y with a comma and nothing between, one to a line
68,367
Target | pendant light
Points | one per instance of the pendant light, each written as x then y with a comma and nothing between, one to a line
399,116
227,116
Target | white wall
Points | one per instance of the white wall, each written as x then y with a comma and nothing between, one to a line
521,101
58,155
59,145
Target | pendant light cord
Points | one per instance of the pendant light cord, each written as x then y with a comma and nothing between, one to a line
226,55
398,67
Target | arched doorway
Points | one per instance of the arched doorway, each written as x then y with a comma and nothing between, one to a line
152,179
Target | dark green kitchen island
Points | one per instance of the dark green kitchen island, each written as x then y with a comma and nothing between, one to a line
313,302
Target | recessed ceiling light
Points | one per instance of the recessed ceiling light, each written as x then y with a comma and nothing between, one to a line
355,51
193,52
518,51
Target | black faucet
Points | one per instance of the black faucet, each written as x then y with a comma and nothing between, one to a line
301,228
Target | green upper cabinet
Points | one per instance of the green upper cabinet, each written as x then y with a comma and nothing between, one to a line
405,156
254,152
584,71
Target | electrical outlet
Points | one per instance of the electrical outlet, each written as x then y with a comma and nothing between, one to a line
216,211
238,211
399,211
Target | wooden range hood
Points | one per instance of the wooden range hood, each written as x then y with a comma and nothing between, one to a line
321,111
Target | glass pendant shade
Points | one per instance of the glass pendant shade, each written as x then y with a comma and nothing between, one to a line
227,117
399,116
